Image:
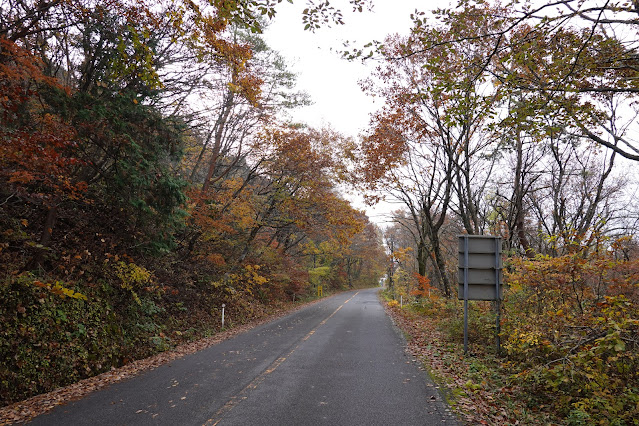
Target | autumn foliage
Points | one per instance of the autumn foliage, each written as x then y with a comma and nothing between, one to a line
571,332
569,351
510,119
145,180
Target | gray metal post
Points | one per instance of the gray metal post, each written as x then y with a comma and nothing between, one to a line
465,294
497,294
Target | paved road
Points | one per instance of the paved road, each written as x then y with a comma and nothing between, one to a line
338,362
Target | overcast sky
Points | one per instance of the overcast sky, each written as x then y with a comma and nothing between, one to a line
332,82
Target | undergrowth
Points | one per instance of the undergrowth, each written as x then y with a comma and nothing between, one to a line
569,353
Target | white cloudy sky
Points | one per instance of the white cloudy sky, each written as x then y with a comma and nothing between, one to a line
331,81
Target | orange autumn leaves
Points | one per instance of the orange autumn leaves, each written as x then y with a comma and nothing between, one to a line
37,152
286,201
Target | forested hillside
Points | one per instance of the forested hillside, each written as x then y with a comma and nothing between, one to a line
148,175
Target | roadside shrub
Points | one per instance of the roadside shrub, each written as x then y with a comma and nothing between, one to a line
570,332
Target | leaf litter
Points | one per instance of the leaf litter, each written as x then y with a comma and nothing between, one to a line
24,411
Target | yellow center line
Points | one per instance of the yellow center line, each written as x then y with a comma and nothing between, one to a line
242,395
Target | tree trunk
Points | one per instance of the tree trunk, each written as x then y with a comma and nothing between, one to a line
422,258
440,265
217,141
47,234
200,156
518,202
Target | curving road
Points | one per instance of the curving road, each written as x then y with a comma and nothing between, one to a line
337,362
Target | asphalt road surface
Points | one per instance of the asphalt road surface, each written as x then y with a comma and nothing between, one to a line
337,362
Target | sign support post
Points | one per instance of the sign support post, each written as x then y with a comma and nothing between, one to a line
498,294
479,276
465,294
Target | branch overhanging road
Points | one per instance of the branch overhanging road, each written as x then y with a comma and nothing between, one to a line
337,362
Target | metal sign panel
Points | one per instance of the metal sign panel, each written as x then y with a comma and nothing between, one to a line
480,275
480,267
481,292
480,261
478,243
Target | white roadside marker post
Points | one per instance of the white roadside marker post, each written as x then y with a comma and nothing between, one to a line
223,305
